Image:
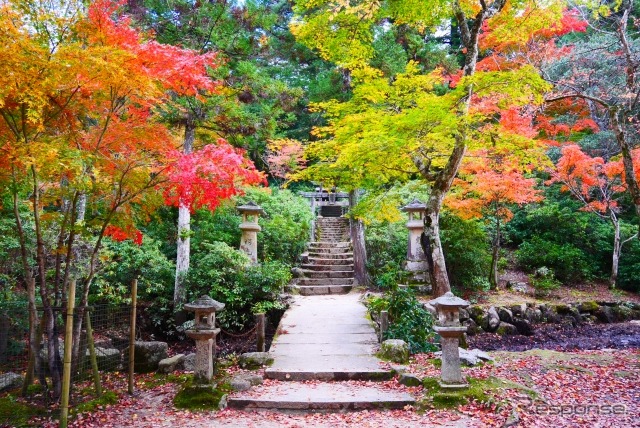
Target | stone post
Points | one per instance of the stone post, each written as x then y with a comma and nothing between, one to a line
449,328
250,228
204,333
416,262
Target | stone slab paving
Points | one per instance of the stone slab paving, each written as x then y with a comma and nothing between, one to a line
326,337
321,396
325,340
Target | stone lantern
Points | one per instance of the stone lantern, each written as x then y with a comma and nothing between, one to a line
416,262
250,228
448,327
204,332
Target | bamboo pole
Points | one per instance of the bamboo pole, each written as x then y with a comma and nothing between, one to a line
132,334
92,356
260,332
68,344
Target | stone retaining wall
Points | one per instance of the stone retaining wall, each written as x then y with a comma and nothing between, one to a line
521,319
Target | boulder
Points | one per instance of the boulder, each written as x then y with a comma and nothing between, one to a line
506,329
476,313
168,365
297,272
605,314
568,321
472,327
239,384
588,307
491,320
470,358
562,309
147,356
533,315
550,315
464,314
524,326
621,313
9,381
408,379
255,360
189,362
505,314
109,359
431,310
245,381
518,310
395,350
519,287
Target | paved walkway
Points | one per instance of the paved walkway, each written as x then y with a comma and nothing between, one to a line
324,338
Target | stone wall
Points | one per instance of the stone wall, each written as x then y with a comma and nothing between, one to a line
522,318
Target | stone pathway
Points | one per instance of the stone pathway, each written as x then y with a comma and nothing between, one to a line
327,339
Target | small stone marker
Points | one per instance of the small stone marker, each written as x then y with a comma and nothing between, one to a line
250,228
204,333
449,328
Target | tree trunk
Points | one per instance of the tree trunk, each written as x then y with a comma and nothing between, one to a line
627,160
430,241
495,255
356,228
184,229
617,249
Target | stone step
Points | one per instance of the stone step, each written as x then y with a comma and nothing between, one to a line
320,261
325,268
327,274
320,244
315,290
329,396
325,281
339,256
329,367
330,250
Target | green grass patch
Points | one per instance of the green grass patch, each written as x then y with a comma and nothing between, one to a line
479,390
198,397
107,397
15,413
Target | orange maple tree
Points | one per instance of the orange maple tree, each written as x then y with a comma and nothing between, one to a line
488,185
597,184
78,128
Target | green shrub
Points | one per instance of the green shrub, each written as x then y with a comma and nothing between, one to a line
629,270
386,252
227,275
466,252
560,223
569,263
544,281
408,319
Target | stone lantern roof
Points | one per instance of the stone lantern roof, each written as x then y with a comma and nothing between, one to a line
449,301
414,206
251,207
204,304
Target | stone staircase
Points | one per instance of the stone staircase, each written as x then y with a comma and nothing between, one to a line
329,269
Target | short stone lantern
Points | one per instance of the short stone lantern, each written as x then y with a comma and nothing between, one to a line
250,228
204,332
416,262
450,330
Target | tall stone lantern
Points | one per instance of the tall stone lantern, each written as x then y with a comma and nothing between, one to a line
448,327
204,332
250,228
416,262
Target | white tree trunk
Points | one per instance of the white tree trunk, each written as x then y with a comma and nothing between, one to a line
184,229
617,248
